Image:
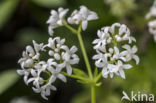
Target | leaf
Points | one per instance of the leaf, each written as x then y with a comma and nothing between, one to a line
7,7
95,72
82,82
98,84
79,72
7,78
49,3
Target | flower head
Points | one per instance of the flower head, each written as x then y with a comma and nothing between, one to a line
35,70
152,28
152,12
152,23
109,57
56,19
83,15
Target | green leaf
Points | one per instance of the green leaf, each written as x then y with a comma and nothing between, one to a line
7,78
79,72
95,72
49,3
7,7
82,82
98,84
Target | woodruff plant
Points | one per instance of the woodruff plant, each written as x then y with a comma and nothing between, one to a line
113,52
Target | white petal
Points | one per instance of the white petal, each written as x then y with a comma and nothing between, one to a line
69,69
116,50
105,72
134,49
50,30
36,90
21,72
59,22
122,73
25,79
96,56
33,73
65,48
43,96
73,49
126,47
92,16
30,80
63,13
57,56
127,66
52,79
84,24
62,77
30,50
95,41
74,61
47,90
136,58
62,65
123,53
53,88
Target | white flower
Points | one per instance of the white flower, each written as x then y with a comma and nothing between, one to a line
102,41
109,57
55,70
24,72
131,53
30,55
55,44
121,66
36,79
35,70
56,19
69,58
109,69
101,60
152,28
117,55
83,15
45,90
152,12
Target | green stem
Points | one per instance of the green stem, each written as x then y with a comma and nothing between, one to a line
84,53
74,76
69,27
78,33
93,94
98,77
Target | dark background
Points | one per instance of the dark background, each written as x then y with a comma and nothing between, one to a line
22,21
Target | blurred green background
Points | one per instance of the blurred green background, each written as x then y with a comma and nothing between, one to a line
22,21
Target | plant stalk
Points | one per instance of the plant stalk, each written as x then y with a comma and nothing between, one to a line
93,94
85,55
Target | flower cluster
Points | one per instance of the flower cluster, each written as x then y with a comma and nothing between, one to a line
152,23
57,18
109,57
121,8
42,73
83,15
